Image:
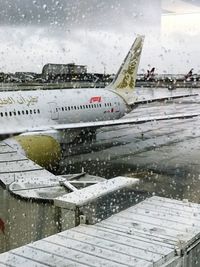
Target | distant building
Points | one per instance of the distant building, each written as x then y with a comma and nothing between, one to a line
59,71
24,76
2,76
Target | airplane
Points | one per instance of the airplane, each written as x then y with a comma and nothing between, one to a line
37,122
189,74
150,75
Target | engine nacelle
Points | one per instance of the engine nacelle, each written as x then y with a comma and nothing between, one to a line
44,150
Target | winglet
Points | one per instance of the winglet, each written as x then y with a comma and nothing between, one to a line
124,81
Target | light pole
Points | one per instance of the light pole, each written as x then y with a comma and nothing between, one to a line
104,71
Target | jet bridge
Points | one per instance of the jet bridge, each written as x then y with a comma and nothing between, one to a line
157,232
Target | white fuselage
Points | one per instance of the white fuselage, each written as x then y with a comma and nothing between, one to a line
35,108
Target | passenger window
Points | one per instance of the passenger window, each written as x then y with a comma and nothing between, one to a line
10,113
38,111
27,112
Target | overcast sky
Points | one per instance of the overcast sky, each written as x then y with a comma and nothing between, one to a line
98,33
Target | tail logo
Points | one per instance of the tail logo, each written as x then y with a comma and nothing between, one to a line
128,79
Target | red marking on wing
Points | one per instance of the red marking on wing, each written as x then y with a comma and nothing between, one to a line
95,99
2,226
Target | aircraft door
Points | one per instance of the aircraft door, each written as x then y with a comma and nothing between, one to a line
54,111
117,107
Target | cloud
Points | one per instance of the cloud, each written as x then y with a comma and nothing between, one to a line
76,13
90,32
87,32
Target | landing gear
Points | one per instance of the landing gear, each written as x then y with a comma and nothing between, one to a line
79,141
85,136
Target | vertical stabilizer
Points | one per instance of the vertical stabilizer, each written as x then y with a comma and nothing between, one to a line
124,81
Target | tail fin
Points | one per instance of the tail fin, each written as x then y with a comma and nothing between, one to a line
124,81
152,70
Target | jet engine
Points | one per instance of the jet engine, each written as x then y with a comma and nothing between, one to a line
44,150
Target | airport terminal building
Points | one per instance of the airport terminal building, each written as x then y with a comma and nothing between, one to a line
53,71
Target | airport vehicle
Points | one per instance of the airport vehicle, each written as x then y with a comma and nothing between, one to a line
41,120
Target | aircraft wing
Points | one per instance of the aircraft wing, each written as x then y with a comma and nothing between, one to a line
99,124
122,121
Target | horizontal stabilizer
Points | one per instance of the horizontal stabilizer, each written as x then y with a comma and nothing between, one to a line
157,99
